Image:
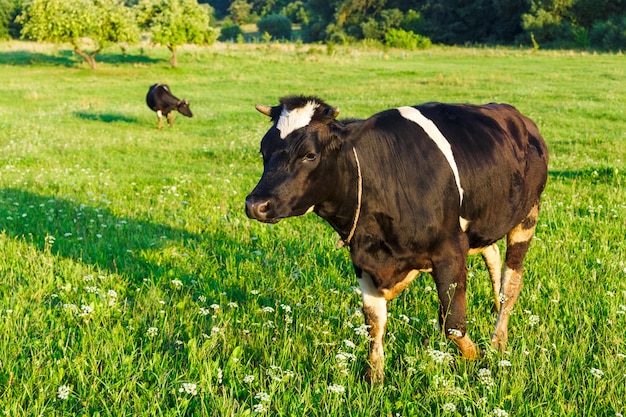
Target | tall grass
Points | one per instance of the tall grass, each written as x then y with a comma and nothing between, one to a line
133,284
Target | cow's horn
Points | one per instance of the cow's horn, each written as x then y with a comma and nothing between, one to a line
335,112
266,110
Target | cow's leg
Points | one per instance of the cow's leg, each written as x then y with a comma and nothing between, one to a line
517,243
375,312
160,117
491,255
450,277
170,121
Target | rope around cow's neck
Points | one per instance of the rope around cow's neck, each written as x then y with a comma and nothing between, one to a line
346,241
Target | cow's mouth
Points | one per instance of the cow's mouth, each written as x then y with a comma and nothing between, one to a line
273,220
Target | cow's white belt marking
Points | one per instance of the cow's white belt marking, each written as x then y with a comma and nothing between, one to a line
414,115
291,120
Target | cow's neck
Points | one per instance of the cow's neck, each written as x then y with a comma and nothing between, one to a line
359,196
342,211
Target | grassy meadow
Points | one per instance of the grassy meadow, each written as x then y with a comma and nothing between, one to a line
133,284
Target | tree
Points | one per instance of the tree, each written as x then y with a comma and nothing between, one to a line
550,21
240,11
230,30
352,13
277,25
173,23
377,29
9,9
85,24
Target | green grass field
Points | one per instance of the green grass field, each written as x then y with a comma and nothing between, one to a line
134,285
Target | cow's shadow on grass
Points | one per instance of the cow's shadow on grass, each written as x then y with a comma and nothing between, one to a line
105,117
95,236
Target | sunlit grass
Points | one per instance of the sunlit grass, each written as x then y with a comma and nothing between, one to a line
133,283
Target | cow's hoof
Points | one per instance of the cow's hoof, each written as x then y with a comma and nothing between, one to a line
498,343
374,377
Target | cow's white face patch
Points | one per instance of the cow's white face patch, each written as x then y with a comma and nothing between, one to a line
414,115
291,120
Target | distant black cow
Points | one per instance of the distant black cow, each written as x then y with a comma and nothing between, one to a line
162,101
411,189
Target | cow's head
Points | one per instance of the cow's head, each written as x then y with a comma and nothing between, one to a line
297,159
183,108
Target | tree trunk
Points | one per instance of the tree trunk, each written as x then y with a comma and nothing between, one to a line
173,58
90,58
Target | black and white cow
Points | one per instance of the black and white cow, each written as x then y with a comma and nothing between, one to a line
162,101
410,189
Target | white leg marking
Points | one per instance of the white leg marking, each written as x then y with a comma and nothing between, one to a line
491,255
511,286
375,311
159,114
295,119
414,115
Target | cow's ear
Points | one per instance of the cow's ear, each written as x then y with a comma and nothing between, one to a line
331,112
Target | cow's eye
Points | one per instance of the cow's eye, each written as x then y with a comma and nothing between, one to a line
310,157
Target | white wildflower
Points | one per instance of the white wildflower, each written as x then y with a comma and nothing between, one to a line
152,331
484,375
440,357
263,397
455,332
337,389
449,408
498,412
597,373
177,283
362,330
267,309
64,392
85,310
189,388
248,379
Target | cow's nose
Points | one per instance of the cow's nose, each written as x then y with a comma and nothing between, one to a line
257,208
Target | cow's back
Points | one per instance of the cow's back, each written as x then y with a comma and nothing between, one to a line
500,158
502,161
159,97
